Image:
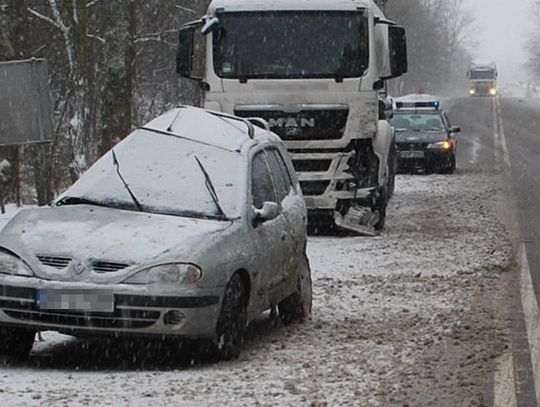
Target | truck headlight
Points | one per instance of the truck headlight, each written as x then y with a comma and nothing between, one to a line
472,91
441,145
493,91
10,264
167,273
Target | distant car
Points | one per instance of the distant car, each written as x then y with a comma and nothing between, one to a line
189,228
425,139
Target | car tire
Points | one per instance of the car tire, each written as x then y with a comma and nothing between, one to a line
16,343
451,167
232,320
297,306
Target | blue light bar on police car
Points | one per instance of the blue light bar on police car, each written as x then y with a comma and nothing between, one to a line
432,104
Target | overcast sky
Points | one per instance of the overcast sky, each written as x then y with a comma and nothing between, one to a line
502,29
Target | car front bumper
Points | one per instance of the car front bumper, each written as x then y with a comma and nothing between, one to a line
138,311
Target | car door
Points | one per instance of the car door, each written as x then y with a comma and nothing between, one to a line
293,207
269,237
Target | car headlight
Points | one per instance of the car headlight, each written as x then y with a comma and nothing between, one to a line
441,145
167,273
10,264
472,91
493,91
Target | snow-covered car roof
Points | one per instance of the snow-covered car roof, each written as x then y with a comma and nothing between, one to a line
207,127
284,5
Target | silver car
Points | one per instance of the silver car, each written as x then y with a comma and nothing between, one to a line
189,228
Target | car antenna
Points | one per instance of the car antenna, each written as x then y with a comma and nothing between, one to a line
169,129
117,165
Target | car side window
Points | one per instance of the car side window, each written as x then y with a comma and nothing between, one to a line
279,173
262,186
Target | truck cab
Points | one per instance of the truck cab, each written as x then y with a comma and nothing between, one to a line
483,79
312,69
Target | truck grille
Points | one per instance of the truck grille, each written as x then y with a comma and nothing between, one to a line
310,188
312,165
308,124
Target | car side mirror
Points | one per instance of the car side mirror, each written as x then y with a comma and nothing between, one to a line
455,129
269,211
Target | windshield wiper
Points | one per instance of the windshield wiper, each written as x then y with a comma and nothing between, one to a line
75,200
211,189
117,165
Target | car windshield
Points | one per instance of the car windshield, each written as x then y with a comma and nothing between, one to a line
163,175
417,122
281,44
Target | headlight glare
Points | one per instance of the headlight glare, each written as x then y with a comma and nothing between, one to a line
10,264
167,273
441,145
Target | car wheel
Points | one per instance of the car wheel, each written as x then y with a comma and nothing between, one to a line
16,343
297,307
232,320
451,167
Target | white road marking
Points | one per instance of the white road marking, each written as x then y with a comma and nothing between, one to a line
505,375
475,149
531,314
496,135
502,137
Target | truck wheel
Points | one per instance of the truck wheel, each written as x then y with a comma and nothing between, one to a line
382,203
16,343
231,321
297,306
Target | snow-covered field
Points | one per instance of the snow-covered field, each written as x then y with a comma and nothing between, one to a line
413,317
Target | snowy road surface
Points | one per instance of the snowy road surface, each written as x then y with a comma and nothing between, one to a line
414,317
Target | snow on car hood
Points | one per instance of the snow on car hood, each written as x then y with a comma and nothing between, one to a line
89,234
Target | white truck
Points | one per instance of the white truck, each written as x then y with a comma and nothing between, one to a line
312,69
483,79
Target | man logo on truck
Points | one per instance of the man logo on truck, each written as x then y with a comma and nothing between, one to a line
289,122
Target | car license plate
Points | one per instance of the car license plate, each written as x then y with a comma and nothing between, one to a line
411,154
75,300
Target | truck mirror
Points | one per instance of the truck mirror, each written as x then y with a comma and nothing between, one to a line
184,56
398,50
189,59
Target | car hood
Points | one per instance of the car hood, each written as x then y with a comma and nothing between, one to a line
92,241
419,136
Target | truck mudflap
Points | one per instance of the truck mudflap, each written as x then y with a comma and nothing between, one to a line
359,220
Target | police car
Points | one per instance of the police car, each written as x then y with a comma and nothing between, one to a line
425,139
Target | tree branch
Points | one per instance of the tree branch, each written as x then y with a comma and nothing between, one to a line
44,18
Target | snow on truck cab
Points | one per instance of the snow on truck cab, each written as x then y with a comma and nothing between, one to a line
312,69
483,79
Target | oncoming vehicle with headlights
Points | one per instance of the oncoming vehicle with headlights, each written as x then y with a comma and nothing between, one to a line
188,229
425,140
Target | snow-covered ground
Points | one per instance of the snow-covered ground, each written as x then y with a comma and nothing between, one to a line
413,317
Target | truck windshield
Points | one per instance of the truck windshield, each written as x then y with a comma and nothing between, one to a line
291,44
484,74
